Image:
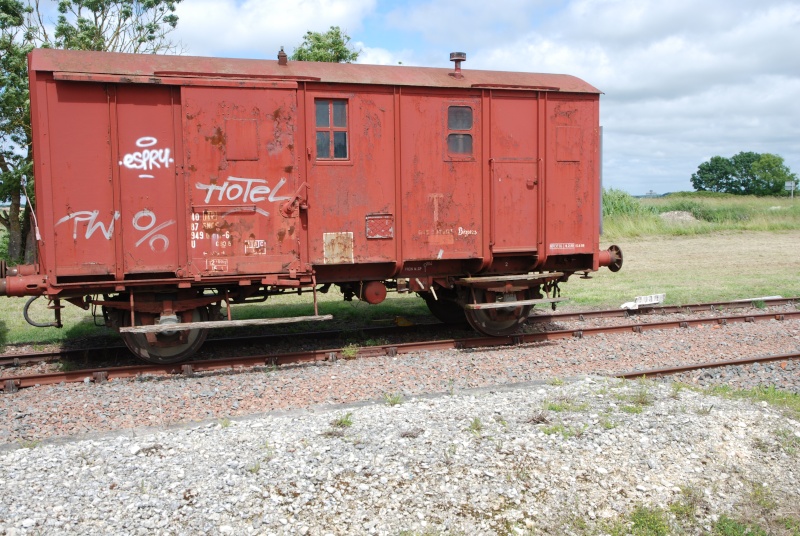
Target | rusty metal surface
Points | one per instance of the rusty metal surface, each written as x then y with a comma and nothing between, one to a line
162,67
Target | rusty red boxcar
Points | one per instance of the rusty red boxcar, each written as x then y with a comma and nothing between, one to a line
169,187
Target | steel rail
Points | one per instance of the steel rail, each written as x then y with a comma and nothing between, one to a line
10,384
667,371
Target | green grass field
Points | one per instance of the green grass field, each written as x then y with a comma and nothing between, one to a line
735,248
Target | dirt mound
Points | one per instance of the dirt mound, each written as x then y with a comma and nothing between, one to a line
678,216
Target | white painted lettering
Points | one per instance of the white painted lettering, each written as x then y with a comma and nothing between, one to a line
90,217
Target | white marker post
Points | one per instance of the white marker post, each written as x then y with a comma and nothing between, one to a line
789,186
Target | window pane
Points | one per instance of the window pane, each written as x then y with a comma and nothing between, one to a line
459,118
459,143
339,113
323,116
323,144
340,144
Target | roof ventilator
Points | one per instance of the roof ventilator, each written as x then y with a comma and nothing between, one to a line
457,58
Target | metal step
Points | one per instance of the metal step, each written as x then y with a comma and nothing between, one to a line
213,324
503,305
504,278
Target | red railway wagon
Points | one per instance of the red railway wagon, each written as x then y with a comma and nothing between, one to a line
170,187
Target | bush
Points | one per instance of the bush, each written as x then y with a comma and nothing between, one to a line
619,203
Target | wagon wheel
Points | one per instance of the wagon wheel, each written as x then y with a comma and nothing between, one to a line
447,308
170,349
502,321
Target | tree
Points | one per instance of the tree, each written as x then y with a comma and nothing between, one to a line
745,173
771,175
716,175
332,46
139,26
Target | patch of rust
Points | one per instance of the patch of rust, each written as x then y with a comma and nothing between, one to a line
218,138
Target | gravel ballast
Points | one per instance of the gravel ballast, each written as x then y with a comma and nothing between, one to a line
471,463
485,442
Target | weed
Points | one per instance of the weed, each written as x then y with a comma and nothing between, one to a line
687,506
642,396
677,387
224,422
759,304
632,409
393,399
725,526
350,351
333,433
538,418
788,441
762,497
476,426
254,468
555,381
565,431
564,404
650,521
29,443
705,410
269,451
501,420
607,423
343,421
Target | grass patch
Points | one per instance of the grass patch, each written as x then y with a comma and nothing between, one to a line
343,421
564,404
393,399
789,402
564,431
476,426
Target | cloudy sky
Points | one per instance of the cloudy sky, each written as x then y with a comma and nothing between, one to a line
683,80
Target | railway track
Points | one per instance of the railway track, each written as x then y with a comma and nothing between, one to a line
10,384
120,351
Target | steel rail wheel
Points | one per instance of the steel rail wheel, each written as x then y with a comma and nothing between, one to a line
448,309
168,347
501,321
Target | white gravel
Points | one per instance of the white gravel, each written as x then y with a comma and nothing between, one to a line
471,463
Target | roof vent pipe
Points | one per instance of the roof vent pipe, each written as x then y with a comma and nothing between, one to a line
457,58
282,58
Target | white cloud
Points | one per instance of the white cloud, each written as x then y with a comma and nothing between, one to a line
257,28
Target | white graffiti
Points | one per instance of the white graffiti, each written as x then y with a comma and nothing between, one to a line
90,217
150,226
466,232
147,159
244,190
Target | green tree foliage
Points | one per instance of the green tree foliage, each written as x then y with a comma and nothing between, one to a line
139,26
745,173
332,46
15,43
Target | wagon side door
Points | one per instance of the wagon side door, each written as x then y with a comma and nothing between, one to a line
515,173
240,168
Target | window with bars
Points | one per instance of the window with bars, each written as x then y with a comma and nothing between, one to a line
331,129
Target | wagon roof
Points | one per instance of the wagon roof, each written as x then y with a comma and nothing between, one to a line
109,63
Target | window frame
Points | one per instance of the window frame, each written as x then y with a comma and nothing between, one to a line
447,131
331,129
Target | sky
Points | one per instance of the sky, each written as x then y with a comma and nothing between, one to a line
682,80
